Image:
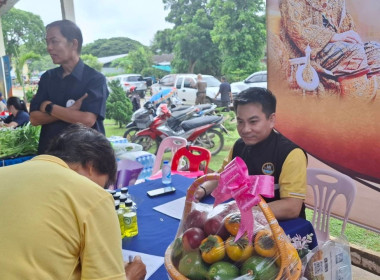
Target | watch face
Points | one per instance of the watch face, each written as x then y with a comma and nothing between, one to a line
49,108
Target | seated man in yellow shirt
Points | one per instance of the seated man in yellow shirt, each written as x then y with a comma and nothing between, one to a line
58,222
267,152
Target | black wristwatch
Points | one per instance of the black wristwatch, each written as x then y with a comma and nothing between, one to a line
49,108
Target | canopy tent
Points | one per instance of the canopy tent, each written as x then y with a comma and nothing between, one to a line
166,68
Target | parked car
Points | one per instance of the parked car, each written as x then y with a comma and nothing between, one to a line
185,85
34,80
129,80
257,79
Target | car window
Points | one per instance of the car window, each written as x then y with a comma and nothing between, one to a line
134,78
179,83
189,82
254,79
167,80
211,81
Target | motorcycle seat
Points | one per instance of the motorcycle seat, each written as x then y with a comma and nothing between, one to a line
197,122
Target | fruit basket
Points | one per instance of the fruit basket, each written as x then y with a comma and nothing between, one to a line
288,264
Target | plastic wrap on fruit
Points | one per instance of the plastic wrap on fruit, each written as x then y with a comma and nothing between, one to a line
235,182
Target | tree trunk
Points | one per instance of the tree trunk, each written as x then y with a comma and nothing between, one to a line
192,66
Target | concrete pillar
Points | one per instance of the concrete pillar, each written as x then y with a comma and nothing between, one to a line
67,8
2,45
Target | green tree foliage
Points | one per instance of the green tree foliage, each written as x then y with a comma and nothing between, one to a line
194,49
240,32
136,61
22,28
118,106
20,61
112,46
43,64
163,42
92,61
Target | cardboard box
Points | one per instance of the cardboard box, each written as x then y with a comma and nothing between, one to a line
127,172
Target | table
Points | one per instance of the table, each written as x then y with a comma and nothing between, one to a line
157,230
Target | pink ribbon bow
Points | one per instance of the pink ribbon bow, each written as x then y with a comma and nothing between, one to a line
235,182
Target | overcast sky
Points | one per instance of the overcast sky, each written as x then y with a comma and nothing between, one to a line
102,19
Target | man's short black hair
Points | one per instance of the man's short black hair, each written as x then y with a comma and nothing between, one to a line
81,144
69,30
257,95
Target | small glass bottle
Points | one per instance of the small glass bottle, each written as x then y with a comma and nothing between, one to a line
166,173
130,220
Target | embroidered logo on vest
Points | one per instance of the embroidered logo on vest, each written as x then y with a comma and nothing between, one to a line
268,168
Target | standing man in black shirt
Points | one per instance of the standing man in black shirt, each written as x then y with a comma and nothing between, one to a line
225,93
71,93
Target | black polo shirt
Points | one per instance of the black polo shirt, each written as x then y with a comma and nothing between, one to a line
267,158
58,90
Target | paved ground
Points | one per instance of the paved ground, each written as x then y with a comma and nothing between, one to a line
361,274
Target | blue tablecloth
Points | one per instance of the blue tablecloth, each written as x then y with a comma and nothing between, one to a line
11,161
157,230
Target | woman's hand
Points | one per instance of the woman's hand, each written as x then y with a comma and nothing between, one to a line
348,36
135,270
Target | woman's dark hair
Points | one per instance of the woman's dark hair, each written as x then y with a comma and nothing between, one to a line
69,30
17,103
257,95
84,145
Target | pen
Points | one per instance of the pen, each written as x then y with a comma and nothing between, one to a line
130,258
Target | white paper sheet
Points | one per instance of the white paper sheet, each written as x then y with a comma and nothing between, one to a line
152,262
173,208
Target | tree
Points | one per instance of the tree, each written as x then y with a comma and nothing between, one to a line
112,46
20,61
136,61
22,28
92,61
163,42
44,63
193,49
118,106
240,32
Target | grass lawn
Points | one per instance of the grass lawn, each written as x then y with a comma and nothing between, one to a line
355,235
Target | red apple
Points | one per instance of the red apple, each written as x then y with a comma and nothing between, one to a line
192,238
215,226
195,218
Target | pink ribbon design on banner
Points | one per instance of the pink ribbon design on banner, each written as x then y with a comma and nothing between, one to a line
235,182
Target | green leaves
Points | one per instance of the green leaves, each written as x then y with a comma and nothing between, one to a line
118,107
20,141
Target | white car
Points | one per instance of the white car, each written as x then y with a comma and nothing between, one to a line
128,80
257,79
185,85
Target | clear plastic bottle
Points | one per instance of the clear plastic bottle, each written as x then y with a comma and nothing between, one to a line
166,173
130,220
119,213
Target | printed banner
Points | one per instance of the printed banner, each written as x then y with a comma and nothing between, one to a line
324,68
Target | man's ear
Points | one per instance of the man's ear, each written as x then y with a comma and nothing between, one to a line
272,119
75,44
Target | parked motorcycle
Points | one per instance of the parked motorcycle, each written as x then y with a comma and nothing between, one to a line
198,131
143,117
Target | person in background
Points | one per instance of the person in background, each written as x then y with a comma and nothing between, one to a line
19,115
66,226
267,152
225,93
2,100
3,106
71,93
201,90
